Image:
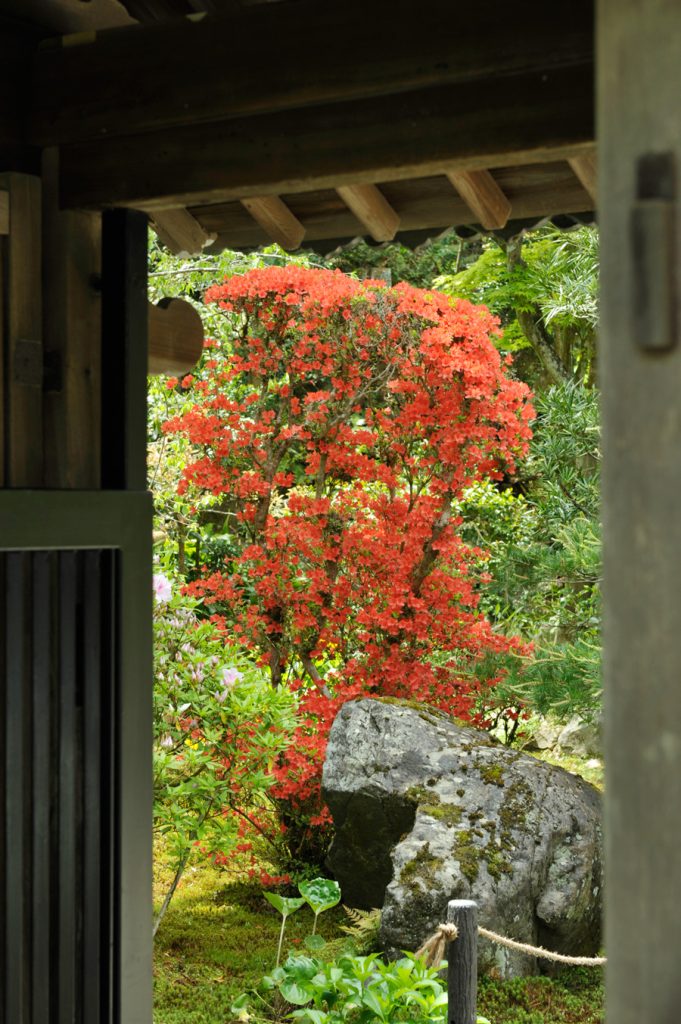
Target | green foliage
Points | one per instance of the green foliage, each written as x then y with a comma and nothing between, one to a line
544,557
189,532
417,266
362,928
218,727
555,280
357,989
575,996
217,940
321,894
286,906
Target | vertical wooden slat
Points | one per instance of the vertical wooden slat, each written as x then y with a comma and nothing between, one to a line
124,349
3,358
3,786
71,332
93,849
639,148
68,757
17,934
23,386
134,773
41,720
109,713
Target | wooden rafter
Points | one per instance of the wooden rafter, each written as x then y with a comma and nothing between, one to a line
181,232
586,169
276,220
483,197
372,210
425,205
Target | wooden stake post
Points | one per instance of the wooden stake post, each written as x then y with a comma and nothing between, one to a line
462,972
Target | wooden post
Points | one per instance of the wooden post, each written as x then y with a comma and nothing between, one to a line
462,972
124,350
639,136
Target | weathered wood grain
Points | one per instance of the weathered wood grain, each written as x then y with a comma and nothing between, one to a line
175,337
525,119
462,956
81,94
4,212
72,338
639,82
276,220
372,210
535,190
483,196
24,347
586,169
181,232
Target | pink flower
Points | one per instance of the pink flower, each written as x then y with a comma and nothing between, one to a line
229,677
162,589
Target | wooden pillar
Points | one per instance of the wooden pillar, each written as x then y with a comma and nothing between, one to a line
71,331
124,350
639,135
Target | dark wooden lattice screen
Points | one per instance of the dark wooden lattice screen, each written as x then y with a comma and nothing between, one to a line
75,771
58,680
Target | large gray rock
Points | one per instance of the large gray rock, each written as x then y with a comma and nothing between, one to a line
427,811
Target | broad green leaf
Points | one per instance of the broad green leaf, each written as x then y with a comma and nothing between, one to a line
321,893
284,904
295,992
314,942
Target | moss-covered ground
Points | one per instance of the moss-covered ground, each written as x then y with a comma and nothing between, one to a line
219,938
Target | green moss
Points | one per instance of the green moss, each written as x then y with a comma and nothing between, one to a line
575,996
513,811
427,713
430,803
468,854
421,868
492,774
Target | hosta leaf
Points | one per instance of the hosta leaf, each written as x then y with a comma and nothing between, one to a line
284,904
295,992
321,893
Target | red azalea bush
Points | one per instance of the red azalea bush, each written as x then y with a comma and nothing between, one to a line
338,423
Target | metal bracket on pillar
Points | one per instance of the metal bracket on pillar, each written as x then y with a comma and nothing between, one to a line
655,224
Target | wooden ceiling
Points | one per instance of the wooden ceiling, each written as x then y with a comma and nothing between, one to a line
236,123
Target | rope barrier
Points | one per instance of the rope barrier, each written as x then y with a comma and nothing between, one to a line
434,948
545,954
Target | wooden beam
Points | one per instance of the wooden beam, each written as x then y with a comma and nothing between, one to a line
4,213
181,232
276,220
483,197
372,210
523,119
586,170
175,337
80,93
536,190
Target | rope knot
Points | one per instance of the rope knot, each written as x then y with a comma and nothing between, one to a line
433,950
